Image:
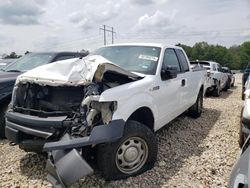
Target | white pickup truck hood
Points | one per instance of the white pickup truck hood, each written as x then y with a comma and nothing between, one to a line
72,72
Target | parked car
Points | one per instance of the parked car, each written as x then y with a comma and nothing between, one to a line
217,79
244,79
231,78
5,62
239,177
111,101
9,74
245,115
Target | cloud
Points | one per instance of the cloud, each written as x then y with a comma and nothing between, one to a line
95,14
21,12
159,21
147,2
245,33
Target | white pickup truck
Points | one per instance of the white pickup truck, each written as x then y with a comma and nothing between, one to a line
110,102
216,78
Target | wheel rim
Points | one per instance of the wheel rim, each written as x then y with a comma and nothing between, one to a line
131,155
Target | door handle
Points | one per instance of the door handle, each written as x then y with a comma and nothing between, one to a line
183,82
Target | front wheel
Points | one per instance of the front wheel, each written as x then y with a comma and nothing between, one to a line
133,154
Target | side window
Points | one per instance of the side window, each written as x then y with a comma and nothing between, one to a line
214,67
220,68
183,60
170,59
64,57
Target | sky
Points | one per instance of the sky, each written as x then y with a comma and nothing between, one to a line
63,25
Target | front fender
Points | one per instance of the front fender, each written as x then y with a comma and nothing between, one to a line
126,108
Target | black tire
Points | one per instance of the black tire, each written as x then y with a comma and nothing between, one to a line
243,96
242,136
3,110
232,85
217,90
107,154
196,110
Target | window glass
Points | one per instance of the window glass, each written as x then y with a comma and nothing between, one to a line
142,59
183,60
29,62
171,60
214,67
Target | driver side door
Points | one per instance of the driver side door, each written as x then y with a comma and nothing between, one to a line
168,96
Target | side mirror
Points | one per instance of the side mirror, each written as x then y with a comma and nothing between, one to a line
169,73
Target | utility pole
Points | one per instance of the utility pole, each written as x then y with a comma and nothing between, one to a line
104,29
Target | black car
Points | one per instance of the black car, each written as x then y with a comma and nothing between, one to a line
5,62
244,79
9,74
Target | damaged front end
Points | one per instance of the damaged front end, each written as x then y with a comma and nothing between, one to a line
56,108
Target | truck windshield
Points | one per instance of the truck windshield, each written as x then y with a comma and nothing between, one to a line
29,62
141,59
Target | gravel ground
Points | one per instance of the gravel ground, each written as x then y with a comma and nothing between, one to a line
192,152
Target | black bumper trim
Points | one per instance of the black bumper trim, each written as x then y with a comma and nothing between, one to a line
35,132
34,121
99,134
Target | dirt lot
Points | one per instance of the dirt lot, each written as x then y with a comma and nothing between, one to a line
192,152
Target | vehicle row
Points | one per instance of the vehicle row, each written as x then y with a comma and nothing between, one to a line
218,78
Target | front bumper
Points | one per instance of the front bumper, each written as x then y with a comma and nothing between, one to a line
31,132
65,163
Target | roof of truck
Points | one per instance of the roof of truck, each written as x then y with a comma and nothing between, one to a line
160,45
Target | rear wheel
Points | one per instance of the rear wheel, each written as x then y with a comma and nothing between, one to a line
133,154
217,90
3,110
196,110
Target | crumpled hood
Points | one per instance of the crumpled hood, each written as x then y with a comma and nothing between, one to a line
72,72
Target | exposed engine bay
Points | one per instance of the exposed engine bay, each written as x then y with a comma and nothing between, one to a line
79,104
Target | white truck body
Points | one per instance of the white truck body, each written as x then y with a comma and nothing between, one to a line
167,99
112,100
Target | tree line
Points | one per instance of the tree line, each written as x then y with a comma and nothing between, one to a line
235,57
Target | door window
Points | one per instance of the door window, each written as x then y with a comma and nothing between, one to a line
170,60
183,60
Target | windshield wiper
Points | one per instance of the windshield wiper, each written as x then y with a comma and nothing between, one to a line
13,71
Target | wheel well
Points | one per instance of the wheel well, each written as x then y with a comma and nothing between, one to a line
143,115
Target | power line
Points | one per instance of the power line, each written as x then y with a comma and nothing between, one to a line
104,29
